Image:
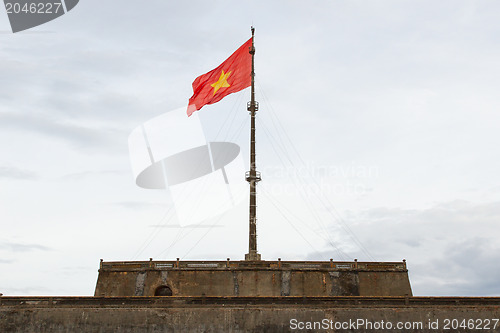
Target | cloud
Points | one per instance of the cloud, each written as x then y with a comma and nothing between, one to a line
18,247
16,173
452,248
85,174
466,268
77,135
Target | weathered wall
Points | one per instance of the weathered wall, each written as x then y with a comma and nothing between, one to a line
264,279
373,283
241,314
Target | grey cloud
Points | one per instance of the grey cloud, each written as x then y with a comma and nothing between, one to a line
16,173
77,92
18,247
86,174
452,247
465,268
80,136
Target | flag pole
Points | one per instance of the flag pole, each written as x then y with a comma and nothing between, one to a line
252,176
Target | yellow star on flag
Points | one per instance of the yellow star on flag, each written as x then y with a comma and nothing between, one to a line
222,83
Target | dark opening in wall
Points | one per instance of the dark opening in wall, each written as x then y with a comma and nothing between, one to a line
163,291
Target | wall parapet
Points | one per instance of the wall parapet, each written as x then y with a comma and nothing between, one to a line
253,265
196,301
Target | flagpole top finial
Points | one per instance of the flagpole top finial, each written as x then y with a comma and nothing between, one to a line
253,30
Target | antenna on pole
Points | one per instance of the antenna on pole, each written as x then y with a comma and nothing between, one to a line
252,176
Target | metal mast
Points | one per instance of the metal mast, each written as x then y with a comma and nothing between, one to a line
252,176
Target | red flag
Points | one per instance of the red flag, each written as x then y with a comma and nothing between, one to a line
231,76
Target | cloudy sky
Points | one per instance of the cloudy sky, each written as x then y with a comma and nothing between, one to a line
378,135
